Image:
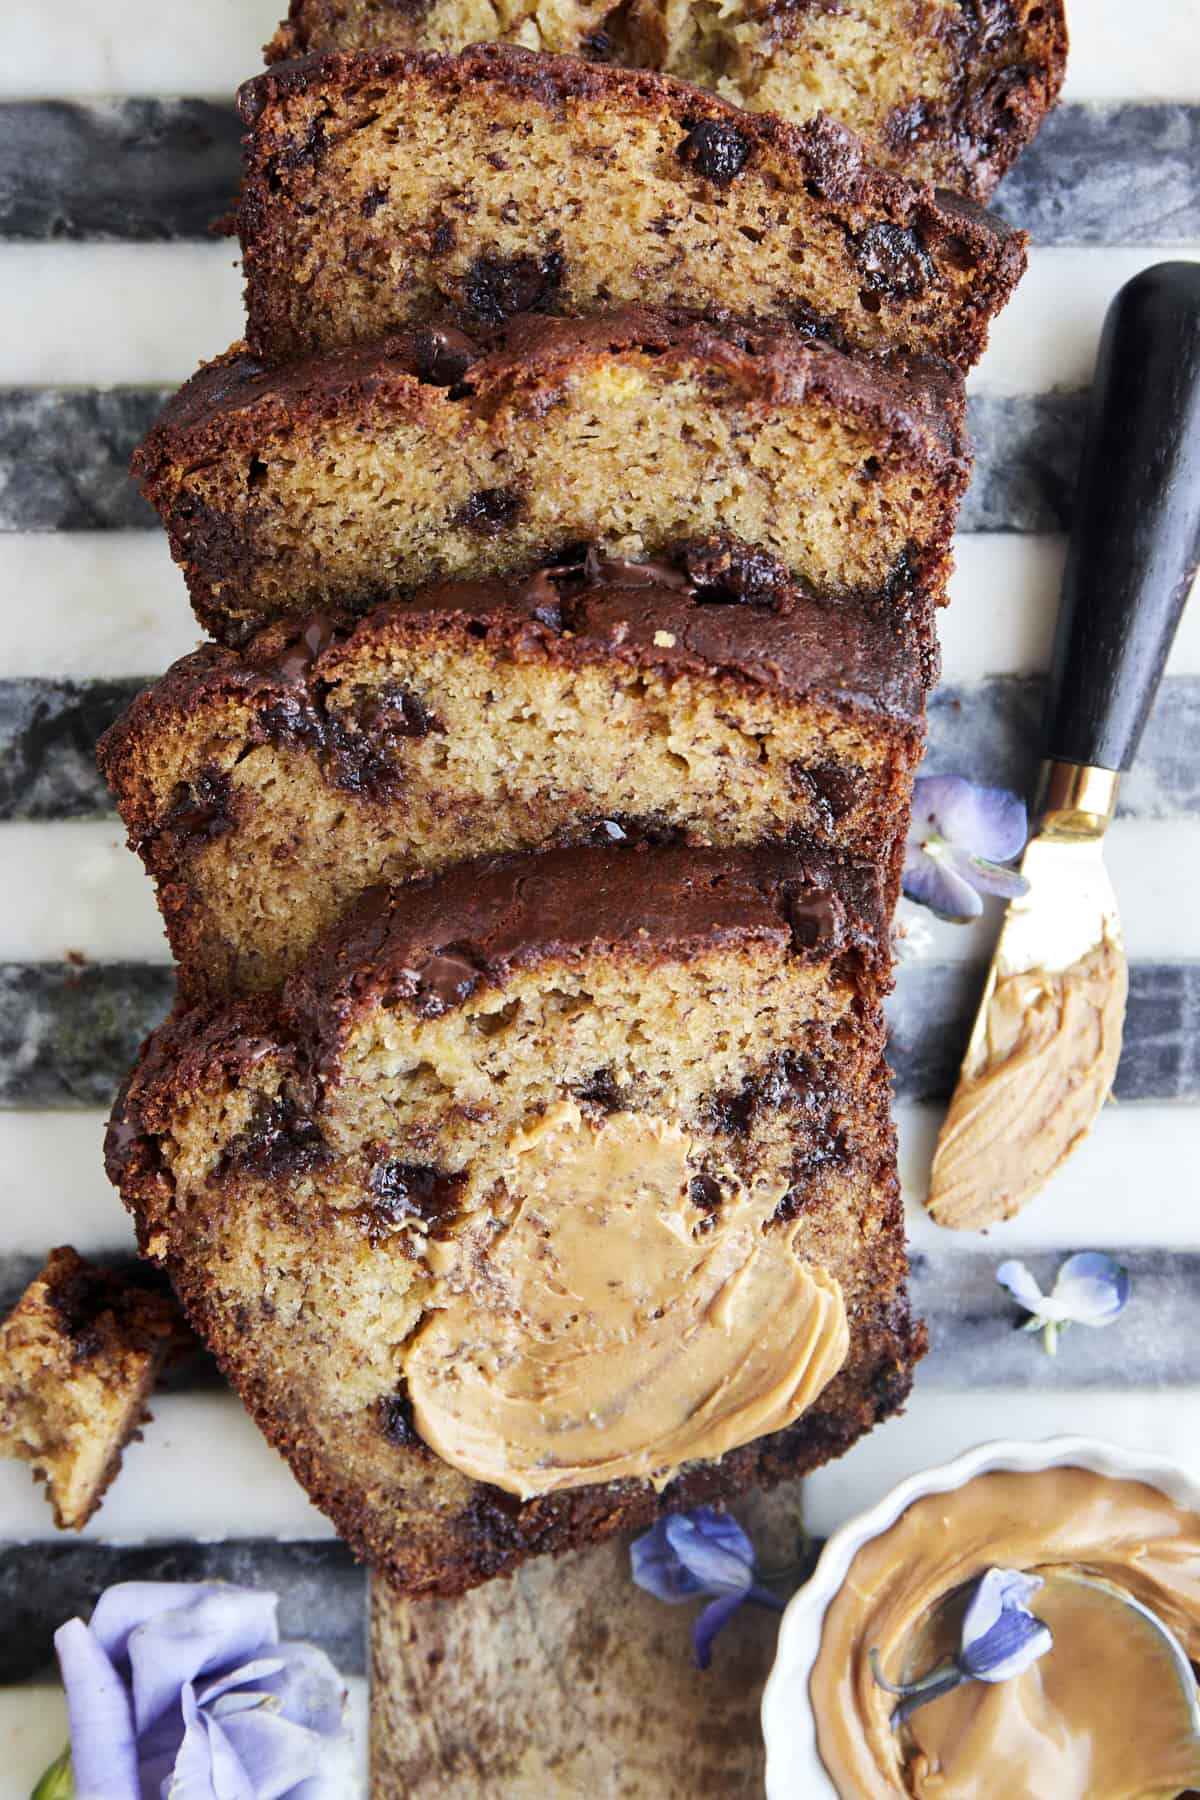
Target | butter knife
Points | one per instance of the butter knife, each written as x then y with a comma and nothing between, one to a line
1043,1053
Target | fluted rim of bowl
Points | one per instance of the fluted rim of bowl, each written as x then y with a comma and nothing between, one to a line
794,1767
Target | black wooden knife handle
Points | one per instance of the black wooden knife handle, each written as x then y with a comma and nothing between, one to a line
1135,537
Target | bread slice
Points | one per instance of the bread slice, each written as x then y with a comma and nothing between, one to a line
266,789
549,1186
948,91
79,1357
387,189
335,480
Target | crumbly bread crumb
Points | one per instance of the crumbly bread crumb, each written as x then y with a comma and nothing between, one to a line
79,1357
946,92
385,190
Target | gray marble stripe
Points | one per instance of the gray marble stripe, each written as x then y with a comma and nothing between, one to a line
322,1590
68,1034
120,168
48,733
987,731
64,459
976,1340
1121,173
145,168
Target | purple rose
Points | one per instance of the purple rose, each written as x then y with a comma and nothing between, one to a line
183,1691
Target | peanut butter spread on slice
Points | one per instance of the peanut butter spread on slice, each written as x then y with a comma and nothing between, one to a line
596,1323
1099,1717
1045,1069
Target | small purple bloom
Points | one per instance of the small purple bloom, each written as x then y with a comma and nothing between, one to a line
959,842
1000,1638
1090,1289
701,1552
184,1691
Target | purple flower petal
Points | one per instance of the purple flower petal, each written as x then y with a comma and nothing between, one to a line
717,1613
1022,1285
984,821
714,1549
103,1752
1092,1289
657,1569
997,1590
986,877
701,1552
932,882
121,1608
1013,1643
224,1626
206,1768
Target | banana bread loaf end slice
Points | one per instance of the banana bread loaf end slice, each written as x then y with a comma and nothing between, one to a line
555,1192
386,189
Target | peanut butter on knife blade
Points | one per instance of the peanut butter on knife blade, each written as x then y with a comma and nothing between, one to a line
1046,1066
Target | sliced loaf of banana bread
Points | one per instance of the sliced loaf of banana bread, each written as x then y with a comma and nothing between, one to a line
948,91
714,702
554,1192
389,189
340,478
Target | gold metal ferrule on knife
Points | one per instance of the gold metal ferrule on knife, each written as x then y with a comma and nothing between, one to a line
1075,800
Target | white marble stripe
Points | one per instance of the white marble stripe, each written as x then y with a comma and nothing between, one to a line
93,604
1119,52
33,1731
115,313
81,892
1136,1159
938,1426
1047,335
73,47
153,311
96,604
202,1471
174,46
53,1188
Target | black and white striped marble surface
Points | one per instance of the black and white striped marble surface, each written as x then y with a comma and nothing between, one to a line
118,151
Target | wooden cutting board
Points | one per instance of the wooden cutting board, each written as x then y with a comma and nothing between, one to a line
569,1681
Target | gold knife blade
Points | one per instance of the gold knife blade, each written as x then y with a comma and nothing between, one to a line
1047,1038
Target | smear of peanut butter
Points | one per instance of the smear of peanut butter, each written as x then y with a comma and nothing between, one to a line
598,1324
1096,1718
1045,1069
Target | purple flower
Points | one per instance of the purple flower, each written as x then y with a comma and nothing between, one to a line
1000,1638
960,838
1090,1289
700,1552
183,1691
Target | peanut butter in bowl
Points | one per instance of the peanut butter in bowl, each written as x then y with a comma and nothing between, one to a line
1099,1716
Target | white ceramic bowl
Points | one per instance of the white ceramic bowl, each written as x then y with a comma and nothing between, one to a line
794,1769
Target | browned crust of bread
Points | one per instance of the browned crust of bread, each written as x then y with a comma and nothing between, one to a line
829,165
986,120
